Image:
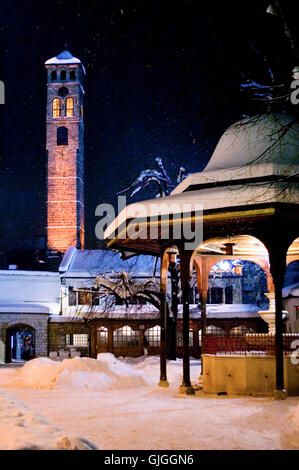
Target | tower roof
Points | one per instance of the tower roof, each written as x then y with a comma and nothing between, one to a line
65,57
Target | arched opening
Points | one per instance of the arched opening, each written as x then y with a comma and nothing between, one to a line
20,343
72,75
54,75
215,331
290,297
237,282
56,107
102,339
63,75
126,341
62,136
152,336
69,107
241,330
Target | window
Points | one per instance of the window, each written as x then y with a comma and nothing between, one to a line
179,338
215,331
216,295
125,336
84,298
95,298
81,110
228,294
54,75
199,337
63,75
72,75
62,136
297,312
69,107
79,340
72,297
102,334
152,336
240,330
56,107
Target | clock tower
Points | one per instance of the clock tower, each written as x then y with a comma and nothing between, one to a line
65,149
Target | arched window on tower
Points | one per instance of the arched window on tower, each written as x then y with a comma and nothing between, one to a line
62,136
54,75
72,75
69,107
56,107
63,75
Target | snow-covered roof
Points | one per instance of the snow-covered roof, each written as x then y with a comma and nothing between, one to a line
204,199
51,308
246,166
291,291
65,57
258,147
270,138
29,291
89,263
134,312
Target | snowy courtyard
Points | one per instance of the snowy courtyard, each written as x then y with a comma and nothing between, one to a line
115,404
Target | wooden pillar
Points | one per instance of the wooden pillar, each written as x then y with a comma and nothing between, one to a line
203,311
172,327
185,258
93,329
163,316
141,340
110,338
196,339
277,249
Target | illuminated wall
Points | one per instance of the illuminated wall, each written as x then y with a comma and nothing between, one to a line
65,147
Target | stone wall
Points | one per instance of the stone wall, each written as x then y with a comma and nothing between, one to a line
247,375
38,321
58,330
65,205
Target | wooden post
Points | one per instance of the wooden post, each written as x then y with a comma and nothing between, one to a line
93,341
185,258
277,254
172,326
110,339
203,311
163,317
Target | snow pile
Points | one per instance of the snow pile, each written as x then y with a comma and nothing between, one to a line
23,429
106,373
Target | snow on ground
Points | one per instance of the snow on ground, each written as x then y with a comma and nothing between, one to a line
23,429
116,404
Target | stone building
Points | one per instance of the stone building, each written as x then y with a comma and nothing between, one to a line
27,300
65,147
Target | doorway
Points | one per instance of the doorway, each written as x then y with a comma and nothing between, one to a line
20,343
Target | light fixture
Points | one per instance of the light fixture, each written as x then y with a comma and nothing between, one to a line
271,10
239,269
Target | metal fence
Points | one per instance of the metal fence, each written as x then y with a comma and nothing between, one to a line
249,344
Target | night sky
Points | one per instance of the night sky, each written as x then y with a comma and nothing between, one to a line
163,79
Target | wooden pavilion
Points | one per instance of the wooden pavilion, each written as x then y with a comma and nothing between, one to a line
245,206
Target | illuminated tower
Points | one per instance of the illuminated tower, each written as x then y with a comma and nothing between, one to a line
65,147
